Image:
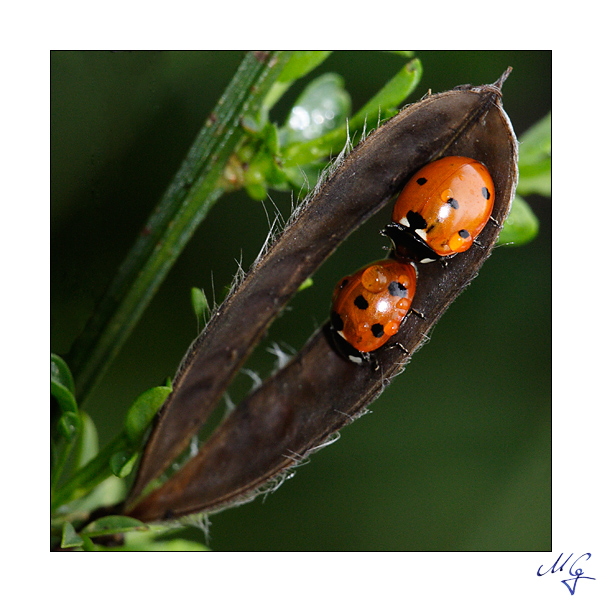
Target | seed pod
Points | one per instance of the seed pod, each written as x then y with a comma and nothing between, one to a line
319,391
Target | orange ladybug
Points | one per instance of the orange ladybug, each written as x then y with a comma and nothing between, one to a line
369,306
442,209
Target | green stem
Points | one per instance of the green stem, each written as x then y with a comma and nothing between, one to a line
186,202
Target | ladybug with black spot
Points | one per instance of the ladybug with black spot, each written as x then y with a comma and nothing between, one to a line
442,209
369,306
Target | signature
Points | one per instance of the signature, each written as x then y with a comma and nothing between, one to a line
575,573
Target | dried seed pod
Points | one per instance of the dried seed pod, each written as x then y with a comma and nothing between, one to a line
318,392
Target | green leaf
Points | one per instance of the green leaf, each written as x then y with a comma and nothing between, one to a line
257,191
109,525
151,540
536,142
264,170
199,302
87,443
521,226
394,92
299,65
380,107
143,410
59,372
270,136
305,284
536,178
122,462
322,107
61,384
110,491
535,159
70,539
69,425
170,545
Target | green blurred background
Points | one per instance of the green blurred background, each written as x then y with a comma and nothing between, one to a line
456,454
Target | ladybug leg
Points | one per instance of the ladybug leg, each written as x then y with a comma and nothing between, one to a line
419,314
497,224
442,261
400,346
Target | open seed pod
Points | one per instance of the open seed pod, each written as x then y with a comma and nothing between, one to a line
302,405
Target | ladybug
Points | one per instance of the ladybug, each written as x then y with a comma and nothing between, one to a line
369,306
442,209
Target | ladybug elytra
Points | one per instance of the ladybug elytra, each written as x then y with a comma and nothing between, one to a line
442,209
369,306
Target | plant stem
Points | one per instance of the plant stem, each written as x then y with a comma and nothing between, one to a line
184,205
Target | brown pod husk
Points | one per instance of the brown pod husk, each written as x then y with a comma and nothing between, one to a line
319,391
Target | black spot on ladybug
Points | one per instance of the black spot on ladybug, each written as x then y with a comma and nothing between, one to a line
453,203
344,283
421,181
464,233
377,330
336,321
397,289
485,192
416,221
360,302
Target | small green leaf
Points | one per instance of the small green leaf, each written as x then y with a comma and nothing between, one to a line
169,545
143,410
110,491
70,539
535,159
389,97
61,384
270,135
305,284
199,302
536,142
156,541
87,443
258,192
109,525
322,107
380,107
69,425
301,63
59,372
535,178
122,462
64,397
521,226
262,172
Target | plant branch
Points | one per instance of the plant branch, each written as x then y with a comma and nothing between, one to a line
186,202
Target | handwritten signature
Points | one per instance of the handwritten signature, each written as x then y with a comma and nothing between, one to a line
575,573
